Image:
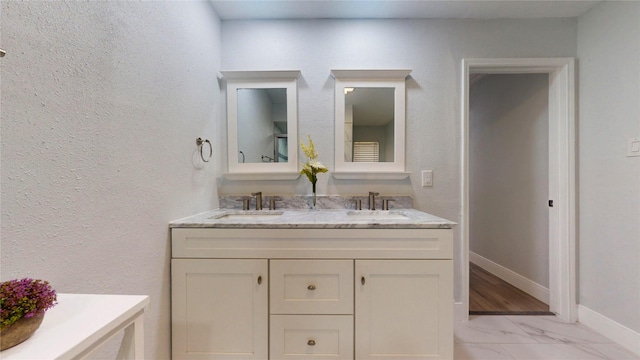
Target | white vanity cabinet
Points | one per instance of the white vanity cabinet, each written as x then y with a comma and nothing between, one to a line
404,309
219,308
332,293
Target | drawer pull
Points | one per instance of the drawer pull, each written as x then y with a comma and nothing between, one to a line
259,280
311,287
311,342
362,281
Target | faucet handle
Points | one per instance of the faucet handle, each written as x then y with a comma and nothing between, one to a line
272,202
245,202
385,203
371,193
358,204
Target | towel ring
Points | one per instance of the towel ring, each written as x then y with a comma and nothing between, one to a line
200,144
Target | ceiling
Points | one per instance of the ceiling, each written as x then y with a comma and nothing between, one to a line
399,9
371,106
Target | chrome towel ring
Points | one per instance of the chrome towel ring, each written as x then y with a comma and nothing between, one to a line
200,144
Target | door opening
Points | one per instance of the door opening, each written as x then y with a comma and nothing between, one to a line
508,194
561,186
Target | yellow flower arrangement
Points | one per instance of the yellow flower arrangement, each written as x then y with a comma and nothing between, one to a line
312,167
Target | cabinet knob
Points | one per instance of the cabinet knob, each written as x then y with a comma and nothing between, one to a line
311,287
362,281
311,342
259,280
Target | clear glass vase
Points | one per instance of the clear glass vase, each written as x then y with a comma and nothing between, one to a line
313,185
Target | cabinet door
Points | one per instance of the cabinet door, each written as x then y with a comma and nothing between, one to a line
219,309
404,309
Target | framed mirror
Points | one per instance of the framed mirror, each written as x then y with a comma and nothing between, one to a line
370,124
262,124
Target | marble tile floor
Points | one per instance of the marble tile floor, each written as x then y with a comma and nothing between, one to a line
495,337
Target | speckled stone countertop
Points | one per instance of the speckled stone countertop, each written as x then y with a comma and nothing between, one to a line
314,219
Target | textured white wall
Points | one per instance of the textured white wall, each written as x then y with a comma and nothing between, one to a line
509,173
434,50
102,101
609,182
101,105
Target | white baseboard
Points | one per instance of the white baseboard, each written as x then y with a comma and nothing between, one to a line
460,314
530,287
615,331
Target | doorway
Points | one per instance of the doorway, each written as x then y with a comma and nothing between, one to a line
562,286
491,295
508,192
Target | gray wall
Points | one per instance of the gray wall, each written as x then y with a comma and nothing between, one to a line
509,173
609,182
255,125
102,102
101,106
434,49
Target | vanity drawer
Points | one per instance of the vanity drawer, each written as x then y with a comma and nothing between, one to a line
311,336
311,286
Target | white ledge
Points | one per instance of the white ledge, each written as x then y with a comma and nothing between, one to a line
262,176
370,175
389,74
261,75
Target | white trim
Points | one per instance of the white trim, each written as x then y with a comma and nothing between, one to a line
346,175
262,176
615,331
269,75
527,285
562,179
279,79
460,314
370,79
373,74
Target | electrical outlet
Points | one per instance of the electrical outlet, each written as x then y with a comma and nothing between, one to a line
427,178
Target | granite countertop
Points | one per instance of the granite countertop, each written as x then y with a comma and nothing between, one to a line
314,219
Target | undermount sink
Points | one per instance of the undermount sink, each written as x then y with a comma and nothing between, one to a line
248,215
376,215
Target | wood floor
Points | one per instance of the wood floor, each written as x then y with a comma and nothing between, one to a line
490,295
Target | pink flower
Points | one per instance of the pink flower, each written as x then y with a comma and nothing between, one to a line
24,298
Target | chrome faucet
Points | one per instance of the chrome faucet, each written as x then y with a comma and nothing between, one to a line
372,200
258,196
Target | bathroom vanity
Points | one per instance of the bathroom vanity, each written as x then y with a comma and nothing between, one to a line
321,284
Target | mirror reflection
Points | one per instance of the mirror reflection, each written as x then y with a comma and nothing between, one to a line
369,124
262,125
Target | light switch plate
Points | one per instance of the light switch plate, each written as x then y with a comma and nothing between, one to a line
427,178
633,147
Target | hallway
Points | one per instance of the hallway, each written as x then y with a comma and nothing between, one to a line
490,295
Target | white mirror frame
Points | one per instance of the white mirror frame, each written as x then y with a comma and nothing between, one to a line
373,79
262,80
